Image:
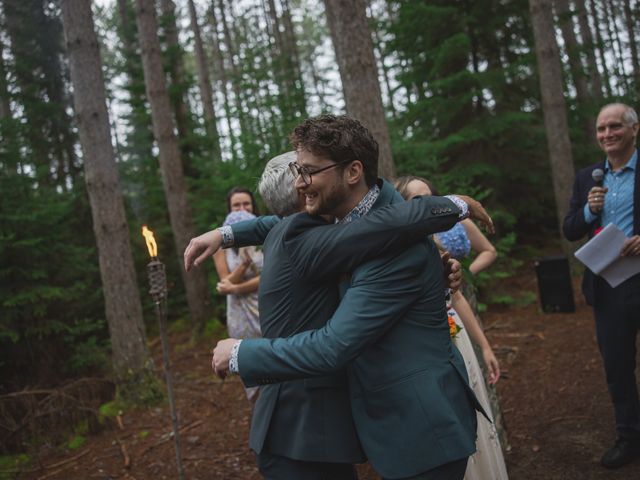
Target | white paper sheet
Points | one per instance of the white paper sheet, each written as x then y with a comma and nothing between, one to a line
601,255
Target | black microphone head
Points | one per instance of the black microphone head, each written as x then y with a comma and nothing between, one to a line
598,176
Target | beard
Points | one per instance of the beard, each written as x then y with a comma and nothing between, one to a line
331,203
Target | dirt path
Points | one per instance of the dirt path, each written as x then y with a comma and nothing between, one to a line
553,395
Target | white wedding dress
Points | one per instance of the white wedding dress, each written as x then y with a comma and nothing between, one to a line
488,462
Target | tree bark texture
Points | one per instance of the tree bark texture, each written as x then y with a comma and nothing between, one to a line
220,75
359,73
631,26
175,188
122,300
573,48
178,81
553,104
599,47
589,48
204,83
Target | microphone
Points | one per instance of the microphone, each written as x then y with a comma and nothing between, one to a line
598,176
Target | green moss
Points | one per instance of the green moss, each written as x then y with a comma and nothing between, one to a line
143,434
76,442
10,465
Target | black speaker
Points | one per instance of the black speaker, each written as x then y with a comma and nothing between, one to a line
554,284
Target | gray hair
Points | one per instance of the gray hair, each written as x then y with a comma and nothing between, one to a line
629,116
277,185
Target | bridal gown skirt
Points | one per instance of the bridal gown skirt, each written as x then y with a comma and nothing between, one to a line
488,462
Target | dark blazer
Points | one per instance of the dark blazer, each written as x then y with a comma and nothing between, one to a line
574,225
303,257
410,400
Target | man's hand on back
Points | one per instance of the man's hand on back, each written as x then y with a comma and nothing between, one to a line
478,213
200,248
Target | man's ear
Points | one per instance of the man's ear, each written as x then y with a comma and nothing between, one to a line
355,172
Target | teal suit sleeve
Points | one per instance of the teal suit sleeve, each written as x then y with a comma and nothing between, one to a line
253,232
381,294
333,249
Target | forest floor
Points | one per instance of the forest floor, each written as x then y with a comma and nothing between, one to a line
553,395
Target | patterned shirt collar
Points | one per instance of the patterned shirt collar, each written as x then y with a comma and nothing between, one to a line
363,207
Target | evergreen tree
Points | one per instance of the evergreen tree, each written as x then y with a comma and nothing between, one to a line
131,358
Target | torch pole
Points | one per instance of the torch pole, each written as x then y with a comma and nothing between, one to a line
158,291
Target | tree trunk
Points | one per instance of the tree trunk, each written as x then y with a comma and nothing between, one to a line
635,60
553,105
204,82
5,105
170,161
589,48
377,44
220,74
291,49
177,76
565,20
131,358
615,47
600,48
358,71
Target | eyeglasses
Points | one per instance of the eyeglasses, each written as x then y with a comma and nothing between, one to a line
306,174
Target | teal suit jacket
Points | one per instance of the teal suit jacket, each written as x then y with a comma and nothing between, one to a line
411,403
311,419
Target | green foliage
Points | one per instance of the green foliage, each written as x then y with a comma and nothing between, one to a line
76,442
10,465
111,409
214,329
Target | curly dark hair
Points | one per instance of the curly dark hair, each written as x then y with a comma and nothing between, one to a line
338,138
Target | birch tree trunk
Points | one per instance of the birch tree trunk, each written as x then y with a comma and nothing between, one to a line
553,105
170,162
359,73
131,360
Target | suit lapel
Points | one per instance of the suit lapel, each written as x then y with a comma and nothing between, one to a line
636,198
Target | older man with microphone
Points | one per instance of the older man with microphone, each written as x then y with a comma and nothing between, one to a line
609,192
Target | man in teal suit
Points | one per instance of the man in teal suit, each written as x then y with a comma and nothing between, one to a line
412,407
304,429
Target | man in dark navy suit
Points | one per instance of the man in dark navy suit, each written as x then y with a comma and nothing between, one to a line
615,199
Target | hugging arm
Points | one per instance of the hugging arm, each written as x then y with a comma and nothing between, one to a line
378,298
329,250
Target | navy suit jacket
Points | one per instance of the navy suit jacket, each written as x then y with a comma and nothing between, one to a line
575,227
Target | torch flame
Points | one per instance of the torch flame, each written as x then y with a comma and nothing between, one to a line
151,242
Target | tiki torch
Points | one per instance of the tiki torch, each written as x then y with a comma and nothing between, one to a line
158,291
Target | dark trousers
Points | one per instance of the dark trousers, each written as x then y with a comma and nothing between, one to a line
617,314
276,467
448,471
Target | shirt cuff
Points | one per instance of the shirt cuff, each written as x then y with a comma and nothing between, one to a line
589,217
227,236
461,204
233,361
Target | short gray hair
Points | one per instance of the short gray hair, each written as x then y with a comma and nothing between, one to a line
277,185
629,116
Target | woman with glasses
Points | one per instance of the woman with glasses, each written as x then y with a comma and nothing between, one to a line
488,461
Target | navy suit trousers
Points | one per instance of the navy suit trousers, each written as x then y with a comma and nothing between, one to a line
617,314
